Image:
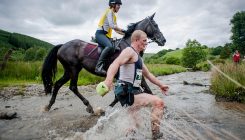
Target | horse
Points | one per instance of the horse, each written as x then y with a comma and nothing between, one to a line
77,54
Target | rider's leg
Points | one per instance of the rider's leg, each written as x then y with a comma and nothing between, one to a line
101,62
109,49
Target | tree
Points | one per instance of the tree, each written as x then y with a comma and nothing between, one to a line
226,51
238,31
193,54
217,50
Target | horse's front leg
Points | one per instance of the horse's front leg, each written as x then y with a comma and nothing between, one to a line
89,108
114,102
73,87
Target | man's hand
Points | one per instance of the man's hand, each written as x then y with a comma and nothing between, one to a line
164,89
109,84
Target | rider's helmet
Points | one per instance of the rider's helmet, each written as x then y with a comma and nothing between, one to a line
111,2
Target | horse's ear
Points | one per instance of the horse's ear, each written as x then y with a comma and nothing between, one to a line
152,16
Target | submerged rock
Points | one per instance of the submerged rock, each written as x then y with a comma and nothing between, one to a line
8,115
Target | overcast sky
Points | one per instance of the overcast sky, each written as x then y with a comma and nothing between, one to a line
59,21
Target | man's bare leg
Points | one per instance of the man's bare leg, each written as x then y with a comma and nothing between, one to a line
156,116
157,105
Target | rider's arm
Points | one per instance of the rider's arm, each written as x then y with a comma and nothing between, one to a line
113,24
119,31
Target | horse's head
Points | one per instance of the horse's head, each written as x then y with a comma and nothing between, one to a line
150,27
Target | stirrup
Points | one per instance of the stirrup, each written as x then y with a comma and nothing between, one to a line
100,70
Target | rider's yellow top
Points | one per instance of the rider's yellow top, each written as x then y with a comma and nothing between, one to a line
108,21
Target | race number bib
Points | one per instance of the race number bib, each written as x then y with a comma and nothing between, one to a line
138,78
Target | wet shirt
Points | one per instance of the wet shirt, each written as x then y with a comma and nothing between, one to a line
132,72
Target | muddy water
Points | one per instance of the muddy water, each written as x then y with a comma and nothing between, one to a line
190,113
66,117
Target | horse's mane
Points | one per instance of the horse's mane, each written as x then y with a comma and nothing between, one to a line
130,29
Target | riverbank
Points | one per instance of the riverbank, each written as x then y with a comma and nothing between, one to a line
227,82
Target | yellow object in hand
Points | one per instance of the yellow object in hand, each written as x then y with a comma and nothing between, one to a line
102,89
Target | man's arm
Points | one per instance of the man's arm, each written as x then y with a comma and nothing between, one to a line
150,76
123,58
153,79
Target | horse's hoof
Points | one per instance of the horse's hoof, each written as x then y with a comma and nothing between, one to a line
99,111
45,108
90,110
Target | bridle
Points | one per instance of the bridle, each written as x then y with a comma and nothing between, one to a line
155,37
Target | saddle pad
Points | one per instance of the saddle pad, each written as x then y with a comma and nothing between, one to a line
91,51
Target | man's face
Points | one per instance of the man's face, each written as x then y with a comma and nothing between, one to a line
143,42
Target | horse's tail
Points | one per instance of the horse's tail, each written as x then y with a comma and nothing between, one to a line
49,69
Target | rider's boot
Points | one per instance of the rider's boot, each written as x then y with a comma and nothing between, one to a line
101,62
99,68
155,128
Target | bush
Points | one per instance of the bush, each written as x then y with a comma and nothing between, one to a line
218,61
18,55
35,54
203,66
193,54
40,54
30,54
173,60
216,51
211,57
225,52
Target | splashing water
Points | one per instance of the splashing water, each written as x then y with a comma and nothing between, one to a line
190,114
115,125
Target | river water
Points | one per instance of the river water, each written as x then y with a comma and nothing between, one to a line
191,112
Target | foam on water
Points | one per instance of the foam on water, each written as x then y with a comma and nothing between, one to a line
114,125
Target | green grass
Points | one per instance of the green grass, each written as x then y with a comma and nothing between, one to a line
164,69
222,87
22,73
176,53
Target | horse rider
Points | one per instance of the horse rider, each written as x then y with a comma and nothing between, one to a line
107,22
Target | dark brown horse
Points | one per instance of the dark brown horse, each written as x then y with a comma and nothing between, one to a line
77,54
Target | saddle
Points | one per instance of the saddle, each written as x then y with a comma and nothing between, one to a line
93,49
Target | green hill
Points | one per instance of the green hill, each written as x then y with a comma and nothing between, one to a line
25,47
163,55
4,38
147,55
176,53
16,40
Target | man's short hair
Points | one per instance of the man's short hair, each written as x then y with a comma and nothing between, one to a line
137,34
